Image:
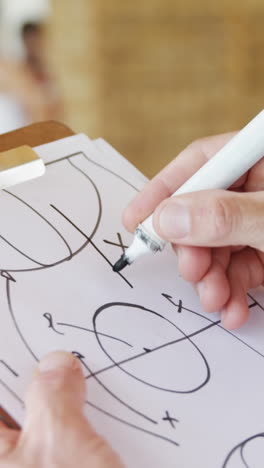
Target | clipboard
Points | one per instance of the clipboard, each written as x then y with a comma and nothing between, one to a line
33,135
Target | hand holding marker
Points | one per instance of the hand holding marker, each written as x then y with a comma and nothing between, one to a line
217,218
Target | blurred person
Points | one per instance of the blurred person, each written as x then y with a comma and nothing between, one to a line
27,89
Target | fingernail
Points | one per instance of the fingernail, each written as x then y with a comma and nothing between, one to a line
57,361
174,221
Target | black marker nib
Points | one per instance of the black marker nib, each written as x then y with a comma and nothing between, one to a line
120,264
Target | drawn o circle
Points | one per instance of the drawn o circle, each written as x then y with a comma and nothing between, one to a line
40,266
105,307
239,451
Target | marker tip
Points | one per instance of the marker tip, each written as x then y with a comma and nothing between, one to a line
120,264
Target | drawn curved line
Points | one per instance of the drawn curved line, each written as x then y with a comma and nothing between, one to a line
133,426
238,446
9,368
93,184
44,219
118,176
88,238
93,244
67,158
110,171
20,251
140,355
92,331
244,444
49,318
6,387
15,322
139,413
217,323
242,455
164,345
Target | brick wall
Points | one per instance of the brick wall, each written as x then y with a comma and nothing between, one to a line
152,75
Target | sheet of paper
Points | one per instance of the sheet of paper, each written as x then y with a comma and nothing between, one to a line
167,385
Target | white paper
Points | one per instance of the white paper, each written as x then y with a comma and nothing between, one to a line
170,387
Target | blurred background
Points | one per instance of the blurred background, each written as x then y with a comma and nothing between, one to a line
149,76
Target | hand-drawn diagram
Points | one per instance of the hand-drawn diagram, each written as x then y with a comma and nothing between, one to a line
244,454
109,329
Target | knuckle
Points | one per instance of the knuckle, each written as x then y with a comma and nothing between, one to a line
196,145
223,219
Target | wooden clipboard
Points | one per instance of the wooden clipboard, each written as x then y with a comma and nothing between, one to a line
32,135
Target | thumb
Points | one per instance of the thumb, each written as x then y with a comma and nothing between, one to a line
57,389
56,431
212,218
54,404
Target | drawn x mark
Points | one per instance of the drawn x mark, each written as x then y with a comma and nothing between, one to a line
170,419
121,244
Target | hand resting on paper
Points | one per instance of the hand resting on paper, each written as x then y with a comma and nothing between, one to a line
56,433
218,235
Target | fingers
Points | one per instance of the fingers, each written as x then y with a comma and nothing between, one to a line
171,178
255,180
246,271
8,439
56,432
193,262
57,388
213,288
212,218
54,401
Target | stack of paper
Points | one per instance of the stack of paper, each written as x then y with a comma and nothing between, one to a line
167,385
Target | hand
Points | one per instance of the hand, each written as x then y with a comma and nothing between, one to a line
56,434
218,235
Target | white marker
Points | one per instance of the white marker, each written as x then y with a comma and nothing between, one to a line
241,153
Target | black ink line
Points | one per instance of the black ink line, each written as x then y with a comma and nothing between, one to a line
180,306
133,426
9,368
64,158
121,244
110,172
48,316
219,326
78,355
91,242
113,395
256,302
170,419
44,219
21,253
169,343
42,266
81,153
93,184
238,446
242,455
6,387
15,322
23,270
5,274
170,299
92,331
139,355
